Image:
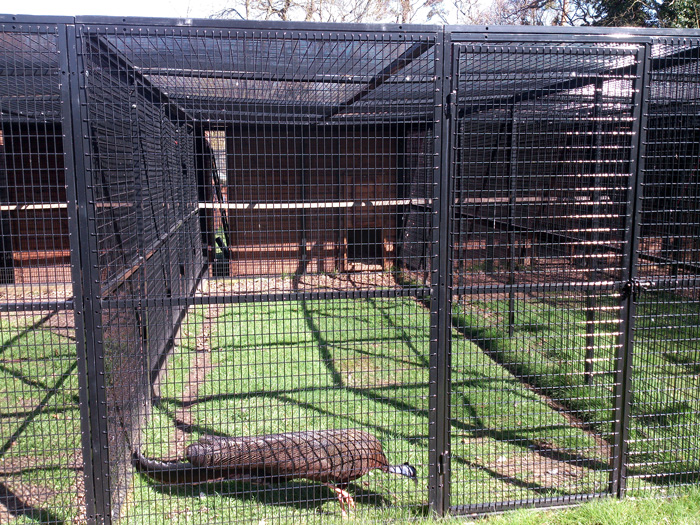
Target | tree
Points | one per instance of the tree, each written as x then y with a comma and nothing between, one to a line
542,12
679,13
626,13
398,11
638,13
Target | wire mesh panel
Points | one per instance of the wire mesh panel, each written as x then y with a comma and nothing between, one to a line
142,179
665,366
296,167
309,283
41,463
542,166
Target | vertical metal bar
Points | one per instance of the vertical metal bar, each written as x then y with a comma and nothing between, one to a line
303,167
623,359
88,276
337,161
67,47
438,487
512,187
595,225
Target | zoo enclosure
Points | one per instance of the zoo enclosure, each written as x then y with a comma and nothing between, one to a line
518,208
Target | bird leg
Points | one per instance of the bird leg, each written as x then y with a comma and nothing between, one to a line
343,497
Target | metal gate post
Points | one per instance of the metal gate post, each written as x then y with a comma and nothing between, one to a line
440,300
623,359
86,286
67,48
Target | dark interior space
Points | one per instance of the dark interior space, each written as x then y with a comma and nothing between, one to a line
365,246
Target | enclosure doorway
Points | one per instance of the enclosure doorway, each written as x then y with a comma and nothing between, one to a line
365,246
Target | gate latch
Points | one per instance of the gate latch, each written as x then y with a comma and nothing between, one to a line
441,464
636,286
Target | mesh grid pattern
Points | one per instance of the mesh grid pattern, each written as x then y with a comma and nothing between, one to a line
542,181
41,464
257,273
665,365
304,320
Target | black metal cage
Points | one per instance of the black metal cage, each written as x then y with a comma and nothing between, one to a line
250,269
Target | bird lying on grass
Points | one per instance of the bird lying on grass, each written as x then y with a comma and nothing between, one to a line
332,457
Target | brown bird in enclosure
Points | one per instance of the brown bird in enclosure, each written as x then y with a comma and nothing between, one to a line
332,457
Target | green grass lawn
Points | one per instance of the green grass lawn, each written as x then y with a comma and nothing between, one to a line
547,350
683,509
526,423
276,367
39,419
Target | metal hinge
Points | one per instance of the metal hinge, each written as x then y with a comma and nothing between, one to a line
441,464
450,103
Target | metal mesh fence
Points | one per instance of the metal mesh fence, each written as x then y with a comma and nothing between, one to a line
296,192
663,448
41,465
141,177
259,274
542,178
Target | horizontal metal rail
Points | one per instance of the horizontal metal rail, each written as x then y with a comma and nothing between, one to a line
418,293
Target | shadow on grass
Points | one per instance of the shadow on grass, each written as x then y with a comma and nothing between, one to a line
594,412
16,505
510,436
300,495
389,396
548,379
18,508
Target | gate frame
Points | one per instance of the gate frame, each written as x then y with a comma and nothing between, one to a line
627,285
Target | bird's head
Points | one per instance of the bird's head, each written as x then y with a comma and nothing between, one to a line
409,471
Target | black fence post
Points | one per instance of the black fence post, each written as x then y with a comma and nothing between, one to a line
624,357
440,300
67,48
86,283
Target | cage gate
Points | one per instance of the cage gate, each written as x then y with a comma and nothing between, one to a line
543,180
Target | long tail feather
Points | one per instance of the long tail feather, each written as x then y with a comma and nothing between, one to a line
171,471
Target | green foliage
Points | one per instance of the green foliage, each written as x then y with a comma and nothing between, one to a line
625,13
611,13
679,13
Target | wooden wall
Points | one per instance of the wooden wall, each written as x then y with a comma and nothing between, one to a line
339,176
34,198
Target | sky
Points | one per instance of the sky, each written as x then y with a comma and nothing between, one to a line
156,8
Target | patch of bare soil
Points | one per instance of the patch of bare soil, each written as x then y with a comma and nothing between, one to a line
63,324
17,464
20,498
542,467
34,291
200,366
538,469
303,283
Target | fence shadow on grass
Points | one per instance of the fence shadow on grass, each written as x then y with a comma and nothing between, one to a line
300,495
17,507
389,396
